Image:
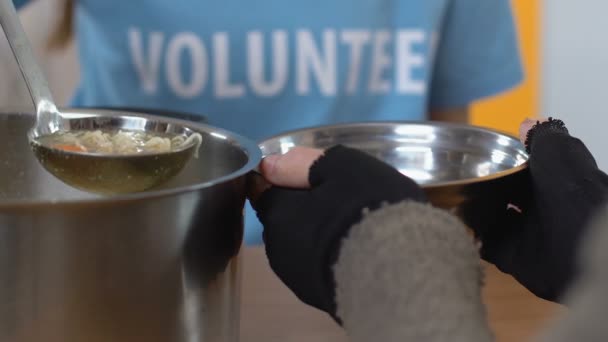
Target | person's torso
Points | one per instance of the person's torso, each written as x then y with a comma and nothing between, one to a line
260,67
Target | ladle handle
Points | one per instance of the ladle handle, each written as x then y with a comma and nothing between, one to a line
34,78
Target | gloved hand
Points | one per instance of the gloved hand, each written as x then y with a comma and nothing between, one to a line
303,227
536,240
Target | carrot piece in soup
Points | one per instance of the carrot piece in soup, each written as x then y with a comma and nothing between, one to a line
71,148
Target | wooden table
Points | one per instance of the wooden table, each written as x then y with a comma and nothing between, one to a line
271,313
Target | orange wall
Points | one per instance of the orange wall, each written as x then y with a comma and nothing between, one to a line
506,111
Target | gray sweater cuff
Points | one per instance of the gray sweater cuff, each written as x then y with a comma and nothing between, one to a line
587,299
410,272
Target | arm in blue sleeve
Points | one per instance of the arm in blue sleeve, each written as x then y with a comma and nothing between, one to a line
477,53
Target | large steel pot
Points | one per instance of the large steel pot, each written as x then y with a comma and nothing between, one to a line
155,266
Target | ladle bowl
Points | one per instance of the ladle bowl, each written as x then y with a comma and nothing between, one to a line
115,174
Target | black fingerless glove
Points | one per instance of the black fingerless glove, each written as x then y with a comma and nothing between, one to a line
538,244
303,228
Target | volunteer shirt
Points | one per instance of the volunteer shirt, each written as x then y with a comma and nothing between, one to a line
262,67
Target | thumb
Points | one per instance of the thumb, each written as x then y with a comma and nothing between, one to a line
525,126
290,169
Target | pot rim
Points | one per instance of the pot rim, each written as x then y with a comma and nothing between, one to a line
454,183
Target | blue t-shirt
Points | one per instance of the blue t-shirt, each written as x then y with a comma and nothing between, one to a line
262,67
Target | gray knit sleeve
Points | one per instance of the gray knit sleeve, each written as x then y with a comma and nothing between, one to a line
410,272
587,299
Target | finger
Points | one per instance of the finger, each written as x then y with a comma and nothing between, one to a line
525,126
291,169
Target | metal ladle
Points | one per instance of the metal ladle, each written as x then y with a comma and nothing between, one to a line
93,172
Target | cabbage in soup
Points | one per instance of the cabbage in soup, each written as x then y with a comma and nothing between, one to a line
117,142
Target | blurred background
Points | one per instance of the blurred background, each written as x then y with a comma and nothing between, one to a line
566,63
565,58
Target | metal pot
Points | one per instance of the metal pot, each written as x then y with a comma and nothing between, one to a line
158,266
468,170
